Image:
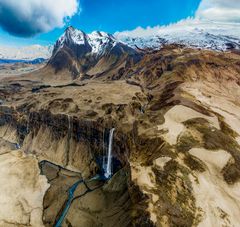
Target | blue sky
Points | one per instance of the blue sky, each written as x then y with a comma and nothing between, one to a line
121,15
112,16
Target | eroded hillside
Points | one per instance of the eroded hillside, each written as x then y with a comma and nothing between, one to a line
175,148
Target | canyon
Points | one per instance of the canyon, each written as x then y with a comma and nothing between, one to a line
121,137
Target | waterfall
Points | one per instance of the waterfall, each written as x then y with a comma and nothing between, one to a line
108,171
69,123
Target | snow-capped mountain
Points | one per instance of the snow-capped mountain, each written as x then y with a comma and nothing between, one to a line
191,32
81,53
26,52
97,43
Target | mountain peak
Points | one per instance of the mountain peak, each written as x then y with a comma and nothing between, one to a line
74,36
97,42
82,51
69,28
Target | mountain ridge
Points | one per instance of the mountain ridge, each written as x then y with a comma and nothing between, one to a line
191,32
91,54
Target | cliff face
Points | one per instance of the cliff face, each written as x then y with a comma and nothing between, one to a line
61,138
175,147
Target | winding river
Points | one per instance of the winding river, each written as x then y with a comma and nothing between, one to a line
107,167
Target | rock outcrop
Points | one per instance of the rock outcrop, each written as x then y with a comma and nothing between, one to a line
22,188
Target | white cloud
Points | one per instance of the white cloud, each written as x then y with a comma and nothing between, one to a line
215,16
219,10
138,32
29,17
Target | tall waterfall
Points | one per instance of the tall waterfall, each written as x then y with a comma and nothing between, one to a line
108,170
69,123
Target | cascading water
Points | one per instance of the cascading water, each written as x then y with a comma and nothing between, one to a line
69,123
108,166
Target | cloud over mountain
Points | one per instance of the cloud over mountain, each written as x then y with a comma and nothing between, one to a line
219,10
214,16
26,18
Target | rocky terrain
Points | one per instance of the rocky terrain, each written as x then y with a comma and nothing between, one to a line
19,68
172,158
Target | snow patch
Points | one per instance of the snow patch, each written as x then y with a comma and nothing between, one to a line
191,32
99,42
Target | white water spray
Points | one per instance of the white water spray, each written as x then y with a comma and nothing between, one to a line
69,123
108,171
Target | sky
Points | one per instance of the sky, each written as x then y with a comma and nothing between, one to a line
28,22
